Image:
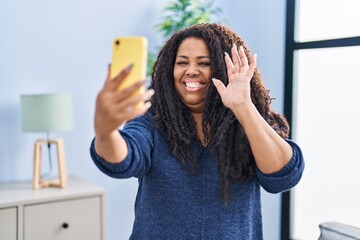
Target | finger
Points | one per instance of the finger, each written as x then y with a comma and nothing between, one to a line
114,83
132,113
128,91
133,101
220,87
118,114
253,63
229,64
243,58
235,58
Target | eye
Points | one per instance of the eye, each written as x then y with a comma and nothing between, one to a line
181,63
204,64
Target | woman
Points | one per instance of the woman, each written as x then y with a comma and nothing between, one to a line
205,145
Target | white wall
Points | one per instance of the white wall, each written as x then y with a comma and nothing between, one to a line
65,46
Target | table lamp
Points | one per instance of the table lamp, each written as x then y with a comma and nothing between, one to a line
47,113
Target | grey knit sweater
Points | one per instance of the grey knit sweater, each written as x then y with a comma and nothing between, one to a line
171,204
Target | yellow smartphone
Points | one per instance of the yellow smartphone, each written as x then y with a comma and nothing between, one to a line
126,51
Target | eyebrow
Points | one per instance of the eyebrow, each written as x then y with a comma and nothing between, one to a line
199,57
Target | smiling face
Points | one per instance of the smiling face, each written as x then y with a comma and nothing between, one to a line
192,73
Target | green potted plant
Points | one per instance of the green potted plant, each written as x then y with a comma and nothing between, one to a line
180,14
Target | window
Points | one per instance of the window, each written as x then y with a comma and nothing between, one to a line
322,103
327,19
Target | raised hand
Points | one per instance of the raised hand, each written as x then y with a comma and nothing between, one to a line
240,72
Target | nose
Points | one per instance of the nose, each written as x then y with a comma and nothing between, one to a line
192,70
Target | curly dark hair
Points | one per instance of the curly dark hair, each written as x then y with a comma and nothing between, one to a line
224,134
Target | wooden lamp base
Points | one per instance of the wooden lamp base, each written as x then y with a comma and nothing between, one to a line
61,181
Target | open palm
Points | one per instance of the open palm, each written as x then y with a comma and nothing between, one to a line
240,71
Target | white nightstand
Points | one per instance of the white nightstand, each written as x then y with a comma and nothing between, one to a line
75,212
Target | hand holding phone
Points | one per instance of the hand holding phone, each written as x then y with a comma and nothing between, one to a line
114,108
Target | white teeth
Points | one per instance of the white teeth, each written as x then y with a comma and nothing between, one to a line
193,84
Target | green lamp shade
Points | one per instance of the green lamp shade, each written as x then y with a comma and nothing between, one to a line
46,112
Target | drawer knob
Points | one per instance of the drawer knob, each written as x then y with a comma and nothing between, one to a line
65,225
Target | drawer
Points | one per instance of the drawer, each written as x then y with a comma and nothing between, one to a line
68,219
8,225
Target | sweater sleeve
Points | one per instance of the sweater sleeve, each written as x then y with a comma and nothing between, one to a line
138,135
285,178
